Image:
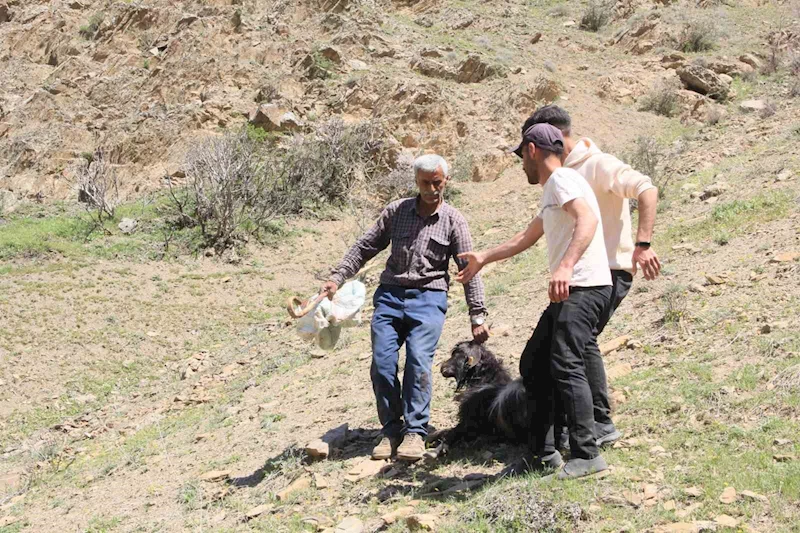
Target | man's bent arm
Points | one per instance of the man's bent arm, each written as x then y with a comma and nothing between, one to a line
585,227
370,244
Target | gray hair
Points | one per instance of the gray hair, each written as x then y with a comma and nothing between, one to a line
429,163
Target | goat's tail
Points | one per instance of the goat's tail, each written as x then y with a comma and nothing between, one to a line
509,410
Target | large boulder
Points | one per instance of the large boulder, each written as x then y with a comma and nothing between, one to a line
271,117
474,69
704,81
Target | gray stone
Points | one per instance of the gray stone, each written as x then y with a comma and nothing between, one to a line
704,81
128,226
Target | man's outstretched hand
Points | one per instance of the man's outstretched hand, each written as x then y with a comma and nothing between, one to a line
647,259
475,262
329,288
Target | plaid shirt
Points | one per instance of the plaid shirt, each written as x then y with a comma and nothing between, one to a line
421,249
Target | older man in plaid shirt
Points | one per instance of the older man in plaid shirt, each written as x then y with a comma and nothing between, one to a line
411,302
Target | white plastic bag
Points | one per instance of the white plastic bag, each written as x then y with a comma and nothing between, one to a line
324,324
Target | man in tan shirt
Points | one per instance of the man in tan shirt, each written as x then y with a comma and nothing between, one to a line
613,183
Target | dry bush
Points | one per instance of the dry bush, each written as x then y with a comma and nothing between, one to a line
596,16
399,183
697,36
674,305
561,10
234,188
646,157
794,90
769,110
239,184
98,186
714,115
327,165
662,99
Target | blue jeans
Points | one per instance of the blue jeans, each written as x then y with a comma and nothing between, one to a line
414,317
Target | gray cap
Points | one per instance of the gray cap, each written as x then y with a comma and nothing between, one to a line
544,136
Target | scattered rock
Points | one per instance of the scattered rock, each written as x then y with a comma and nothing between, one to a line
633,344
271,117
569,24
783,458
320,482
696,287
365,469
434,69
751,60
726,521
785,257
128,225
357,65
669,505
753,106
301,483
781,442
715,280
536,37
421,522
633,498
712,191
216,475
474,69
704,81
321,448
332,54
258,511
397,514
750,495
350,524
619,370
694,492
201,437
728,495
615,344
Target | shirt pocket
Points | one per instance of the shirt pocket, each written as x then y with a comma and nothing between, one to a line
437,251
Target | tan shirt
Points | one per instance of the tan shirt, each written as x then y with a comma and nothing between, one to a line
613,183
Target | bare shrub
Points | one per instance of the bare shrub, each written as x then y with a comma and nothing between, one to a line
596,16
769,110
646,157
326,166
98,186
662,99
239,184
234,188
399,183
697,36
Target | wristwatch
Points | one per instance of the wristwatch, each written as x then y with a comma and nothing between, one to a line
643,244
477,320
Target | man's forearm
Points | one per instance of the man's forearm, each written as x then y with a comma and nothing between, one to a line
585,227
647,203
518,243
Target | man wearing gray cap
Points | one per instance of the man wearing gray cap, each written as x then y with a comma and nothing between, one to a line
552,364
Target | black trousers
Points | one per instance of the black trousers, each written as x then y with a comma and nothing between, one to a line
553,369
595,370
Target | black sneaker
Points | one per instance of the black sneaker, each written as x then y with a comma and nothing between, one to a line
576,468
552,461
608,438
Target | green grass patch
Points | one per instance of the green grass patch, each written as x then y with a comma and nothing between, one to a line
732,219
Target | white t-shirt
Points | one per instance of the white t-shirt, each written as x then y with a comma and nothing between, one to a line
565,185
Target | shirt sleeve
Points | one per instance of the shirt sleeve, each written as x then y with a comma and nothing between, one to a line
375,240
620,179
565,189
461,241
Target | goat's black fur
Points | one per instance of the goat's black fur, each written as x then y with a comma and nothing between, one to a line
492,404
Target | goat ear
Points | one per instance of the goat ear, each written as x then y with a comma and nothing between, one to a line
471,361
474,356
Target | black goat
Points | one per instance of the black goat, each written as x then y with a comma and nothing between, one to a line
491,404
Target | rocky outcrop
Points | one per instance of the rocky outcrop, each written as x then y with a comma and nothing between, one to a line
704,81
